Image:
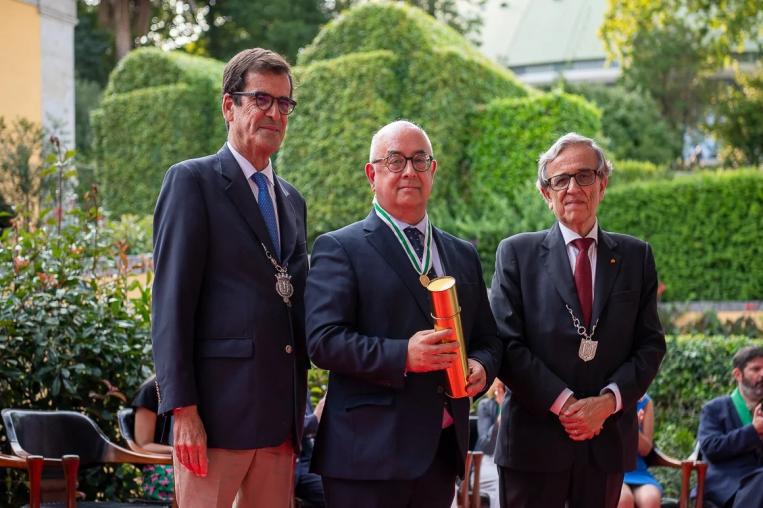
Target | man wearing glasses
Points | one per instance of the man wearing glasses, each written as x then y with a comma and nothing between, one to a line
228,308
389,434
577,309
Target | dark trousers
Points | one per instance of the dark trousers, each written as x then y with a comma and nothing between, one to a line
434,489
750,493
583,486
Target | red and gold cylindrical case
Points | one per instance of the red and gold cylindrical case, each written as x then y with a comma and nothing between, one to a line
447,314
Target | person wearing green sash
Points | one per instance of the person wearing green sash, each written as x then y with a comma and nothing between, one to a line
731,437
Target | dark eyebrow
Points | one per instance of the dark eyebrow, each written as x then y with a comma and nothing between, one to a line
397,152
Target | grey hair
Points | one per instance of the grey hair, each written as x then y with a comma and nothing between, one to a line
571,138
389,126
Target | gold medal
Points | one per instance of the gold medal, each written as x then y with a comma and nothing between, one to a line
424,279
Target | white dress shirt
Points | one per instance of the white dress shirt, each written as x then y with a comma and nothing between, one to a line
250,170
572,254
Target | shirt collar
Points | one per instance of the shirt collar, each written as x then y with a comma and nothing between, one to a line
569,235
421,225
248,168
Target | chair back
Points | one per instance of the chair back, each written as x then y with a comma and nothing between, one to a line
55,434
126,418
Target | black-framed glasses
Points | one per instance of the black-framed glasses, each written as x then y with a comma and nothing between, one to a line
264,101
584,178
396,162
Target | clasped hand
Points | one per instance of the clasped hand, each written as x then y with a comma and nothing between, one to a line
583,419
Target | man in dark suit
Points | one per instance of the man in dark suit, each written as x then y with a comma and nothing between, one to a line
390,436
228,309
577,307
731,437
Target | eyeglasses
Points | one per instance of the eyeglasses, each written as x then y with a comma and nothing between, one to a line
584,178
396,162
264,101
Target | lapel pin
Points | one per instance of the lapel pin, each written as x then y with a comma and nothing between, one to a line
612,261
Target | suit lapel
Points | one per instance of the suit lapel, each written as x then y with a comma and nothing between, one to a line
606,272
287,221
557,263
385,243
238,190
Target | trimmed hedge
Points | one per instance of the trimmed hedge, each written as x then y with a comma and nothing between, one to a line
158,108
705,230
629,171
514,132
373,64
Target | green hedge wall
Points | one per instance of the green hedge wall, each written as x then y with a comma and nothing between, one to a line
372,65
514,132
342,102
158,108
705,230
630,171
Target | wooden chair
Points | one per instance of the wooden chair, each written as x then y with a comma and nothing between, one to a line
657,458
70,435
34,465
468,495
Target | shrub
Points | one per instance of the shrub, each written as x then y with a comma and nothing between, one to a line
629,171
705,231
70,337
373,64
514,132
158,108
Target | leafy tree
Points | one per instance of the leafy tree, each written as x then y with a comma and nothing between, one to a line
671,48
283,26
631,123
740,120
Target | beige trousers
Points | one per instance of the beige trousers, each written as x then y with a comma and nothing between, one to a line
259,478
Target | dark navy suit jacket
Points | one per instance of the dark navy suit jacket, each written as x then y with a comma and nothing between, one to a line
532,284
223,339
731,449
364,301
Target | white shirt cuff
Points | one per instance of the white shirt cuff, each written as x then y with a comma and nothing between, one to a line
612,387
558,404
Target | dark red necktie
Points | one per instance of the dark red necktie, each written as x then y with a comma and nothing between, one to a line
583,277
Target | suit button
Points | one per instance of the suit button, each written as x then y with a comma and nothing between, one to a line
288,349
440,389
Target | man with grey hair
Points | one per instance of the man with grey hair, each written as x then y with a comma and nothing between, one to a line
577,309
389,434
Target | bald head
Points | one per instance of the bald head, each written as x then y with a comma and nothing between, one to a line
381,140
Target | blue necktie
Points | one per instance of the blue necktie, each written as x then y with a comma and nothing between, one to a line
266,208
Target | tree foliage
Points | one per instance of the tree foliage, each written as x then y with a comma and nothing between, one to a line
631,123
740,120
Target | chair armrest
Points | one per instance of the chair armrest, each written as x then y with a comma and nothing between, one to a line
657,458
118,455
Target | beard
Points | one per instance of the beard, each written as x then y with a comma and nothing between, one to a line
753,391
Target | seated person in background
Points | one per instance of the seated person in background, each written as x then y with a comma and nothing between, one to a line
731,437
309,487
488,422
640,489
149,432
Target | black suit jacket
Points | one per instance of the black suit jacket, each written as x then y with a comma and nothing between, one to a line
732,450
222,337
364,301
532,283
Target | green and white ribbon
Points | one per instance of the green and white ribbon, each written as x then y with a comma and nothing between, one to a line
422,266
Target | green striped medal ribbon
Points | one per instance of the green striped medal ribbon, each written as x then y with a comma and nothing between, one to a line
422,266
